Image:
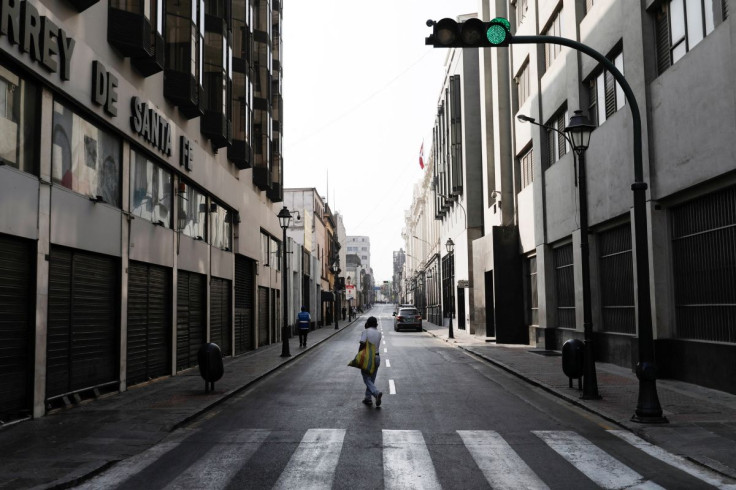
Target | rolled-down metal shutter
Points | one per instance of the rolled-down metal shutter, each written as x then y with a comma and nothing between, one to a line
16,326
191,320
149,322
83,333
220,325
244,290
263,317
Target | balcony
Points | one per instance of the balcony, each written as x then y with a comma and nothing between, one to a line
182,89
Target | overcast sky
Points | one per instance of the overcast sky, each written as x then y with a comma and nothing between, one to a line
360,95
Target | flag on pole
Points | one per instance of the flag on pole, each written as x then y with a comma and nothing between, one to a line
421,156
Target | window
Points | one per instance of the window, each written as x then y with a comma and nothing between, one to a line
193,213
221,228
617,280
565,286
531,296
275,250
704,267
523,84
522,6
150,190
18,121
555,29
606,95
682,24
557,145
526,164
85,158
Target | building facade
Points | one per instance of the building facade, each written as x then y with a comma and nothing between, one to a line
527,267
139,167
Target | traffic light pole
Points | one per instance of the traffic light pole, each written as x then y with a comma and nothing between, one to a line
648,409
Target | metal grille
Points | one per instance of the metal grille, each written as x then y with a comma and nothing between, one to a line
704,264
531,295
565,286
617,280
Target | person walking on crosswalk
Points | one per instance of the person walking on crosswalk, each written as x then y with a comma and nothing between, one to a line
372,335
303,320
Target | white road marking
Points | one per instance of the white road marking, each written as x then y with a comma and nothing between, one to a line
391,387
312,466
593,462
406,461
385,350
709,477
388,363
132,466
500,464
219,465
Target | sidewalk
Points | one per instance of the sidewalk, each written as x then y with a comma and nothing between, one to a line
702,422
71,445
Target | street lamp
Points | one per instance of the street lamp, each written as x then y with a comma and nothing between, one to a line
284,220
579,130
450,246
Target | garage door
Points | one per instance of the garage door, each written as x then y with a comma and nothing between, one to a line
244,294
83,331
263,316
149,322
16,326
220,315
191,321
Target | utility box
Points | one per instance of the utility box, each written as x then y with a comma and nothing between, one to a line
573,352
210,365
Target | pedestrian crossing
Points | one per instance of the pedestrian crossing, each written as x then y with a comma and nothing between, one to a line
408,461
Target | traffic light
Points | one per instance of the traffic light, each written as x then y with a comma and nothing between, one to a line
471,33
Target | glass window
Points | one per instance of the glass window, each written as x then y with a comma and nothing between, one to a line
150,190
555,29
18,121
682,24
275,254
606,95
221,231
85,158
193,213
523,84
556,140
265,242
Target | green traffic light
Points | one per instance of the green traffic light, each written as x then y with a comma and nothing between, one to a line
498,31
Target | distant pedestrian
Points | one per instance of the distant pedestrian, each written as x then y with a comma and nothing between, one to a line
303,321
372,335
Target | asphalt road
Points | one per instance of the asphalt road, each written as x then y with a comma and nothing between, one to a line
448,420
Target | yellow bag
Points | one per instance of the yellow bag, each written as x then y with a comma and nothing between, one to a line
365,359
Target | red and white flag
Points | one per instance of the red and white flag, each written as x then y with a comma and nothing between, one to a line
421,156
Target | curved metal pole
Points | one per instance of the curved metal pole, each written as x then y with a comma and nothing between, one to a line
648,408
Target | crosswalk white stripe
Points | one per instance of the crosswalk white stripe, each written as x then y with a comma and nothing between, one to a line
500,464
676,461
391,387
312,466
406,461
596,464
116,475
219,465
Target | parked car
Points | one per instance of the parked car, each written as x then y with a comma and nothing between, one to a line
407,318
403,305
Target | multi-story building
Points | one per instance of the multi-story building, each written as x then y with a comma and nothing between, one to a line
528,267
360,245
139,167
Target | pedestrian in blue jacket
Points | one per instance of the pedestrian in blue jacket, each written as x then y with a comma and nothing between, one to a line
302,322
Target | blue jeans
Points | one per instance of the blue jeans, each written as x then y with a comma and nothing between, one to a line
370,380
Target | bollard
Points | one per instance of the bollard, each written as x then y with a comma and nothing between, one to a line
572,360
210,365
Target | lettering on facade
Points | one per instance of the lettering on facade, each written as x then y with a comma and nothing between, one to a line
150,125
104,88
187,153
37,35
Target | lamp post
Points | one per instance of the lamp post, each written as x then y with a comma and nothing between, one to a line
579,130
450,246
284,220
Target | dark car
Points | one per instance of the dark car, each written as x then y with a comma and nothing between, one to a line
407,318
